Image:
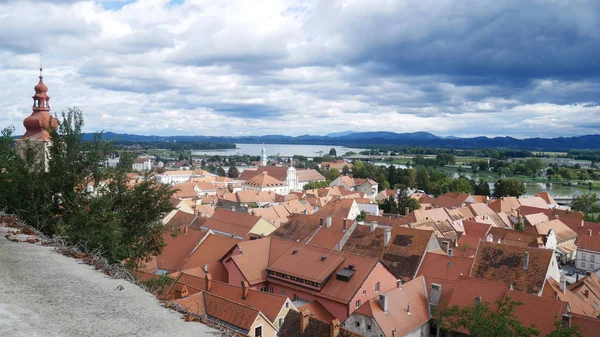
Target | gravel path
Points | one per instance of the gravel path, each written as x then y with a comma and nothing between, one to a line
45,294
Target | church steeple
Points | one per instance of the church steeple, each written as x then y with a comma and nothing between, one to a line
40,120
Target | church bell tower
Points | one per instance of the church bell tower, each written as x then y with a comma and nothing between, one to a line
34,146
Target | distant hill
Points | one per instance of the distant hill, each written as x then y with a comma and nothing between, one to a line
339,134
382,138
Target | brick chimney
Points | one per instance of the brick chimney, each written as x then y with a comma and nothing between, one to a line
245,287
334,328
450,252
304,319
185,230
208,282
526,261
387,236
582,222
563,285
329,222
590,232
345,225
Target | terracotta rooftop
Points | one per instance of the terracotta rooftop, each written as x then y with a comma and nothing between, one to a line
308,229
547,198
533,202
444,266
307,175
177,249
185,190
513,237
588,326
590,243
307,262
231,222
477,229
588,289
225,310
505,263
536,218
317,311
253,259
269,304
397,318
337,207
577,304
403,254
315,327
209,252
264,180
504,204
563,232
468,288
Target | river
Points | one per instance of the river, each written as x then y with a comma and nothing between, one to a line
286,150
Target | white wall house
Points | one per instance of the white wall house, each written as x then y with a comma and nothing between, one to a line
588,253
142,164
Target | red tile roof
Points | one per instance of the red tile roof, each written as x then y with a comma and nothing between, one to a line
315,327
210,252
176,250
231,222
505,263
444,266
590,243
397,318
307,229
317,311
337,207
264,180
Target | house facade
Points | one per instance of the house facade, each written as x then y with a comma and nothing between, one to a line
588,254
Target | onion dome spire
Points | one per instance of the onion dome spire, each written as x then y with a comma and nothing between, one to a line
40,120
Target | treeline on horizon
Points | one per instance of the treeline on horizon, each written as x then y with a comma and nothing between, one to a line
175,146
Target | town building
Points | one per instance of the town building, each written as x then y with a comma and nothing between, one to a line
142,164
588,256
368,186
238,225
34,146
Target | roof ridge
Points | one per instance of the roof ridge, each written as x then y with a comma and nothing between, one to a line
232,301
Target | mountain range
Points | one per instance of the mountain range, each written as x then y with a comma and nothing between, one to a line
361,139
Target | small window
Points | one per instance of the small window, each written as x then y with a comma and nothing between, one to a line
364,293
582,264
368,327
357,324
592,257
583,256
283,293
592,266
280,321
287,305
357,303
258,331
377,287
296,297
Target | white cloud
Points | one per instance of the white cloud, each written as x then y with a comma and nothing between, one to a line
306,67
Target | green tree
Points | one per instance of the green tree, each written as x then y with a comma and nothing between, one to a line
221,172
509,188
423,179
564,331
87,205
332,174
126,161
586,203
233,172
534,165
316,184
445,159
333,152
481,187
362,216
461,184
482,321
389,205
405,200
345,170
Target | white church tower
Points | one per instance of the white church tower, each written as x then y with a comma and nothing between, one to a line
263,156
292,179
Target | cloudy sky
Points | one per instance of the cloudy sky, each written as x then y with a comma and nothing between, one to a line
245,67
